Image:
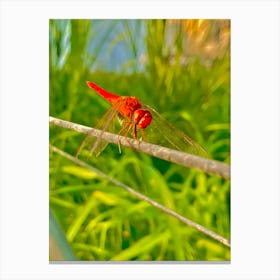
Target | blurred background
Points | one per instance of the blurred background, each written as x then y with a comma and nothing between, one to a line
182,69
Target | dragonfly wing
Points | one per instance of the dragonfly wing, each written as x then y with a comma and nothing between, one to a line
106,123
162,132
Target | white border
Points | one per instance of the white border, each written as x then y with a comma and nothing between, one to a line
255,138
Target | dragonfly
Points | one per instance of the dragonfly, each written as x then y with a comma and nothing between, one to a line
140,121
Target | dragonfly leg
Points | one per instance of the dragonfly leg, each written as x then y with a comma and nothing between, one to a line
134,134
126,127
143,134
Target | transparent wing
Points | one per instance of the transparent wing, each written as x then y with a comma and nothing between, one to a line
163,133
97,145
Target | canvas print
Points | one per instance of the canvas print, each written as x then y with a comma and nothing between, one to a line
139,134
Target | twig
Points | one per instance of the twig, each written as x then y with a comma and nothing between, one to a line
186,221
182,158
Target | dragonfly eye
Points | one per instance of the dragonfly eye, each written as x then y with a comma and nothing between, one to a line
142,118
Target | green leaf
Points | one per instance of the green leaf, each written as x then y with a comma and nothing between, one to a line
144,244
78,171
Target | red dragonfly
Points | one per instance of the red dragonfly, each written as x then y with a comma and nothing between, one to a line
136,116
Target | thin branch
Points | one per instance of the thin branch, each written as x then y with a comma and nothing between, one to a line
170,212
182,158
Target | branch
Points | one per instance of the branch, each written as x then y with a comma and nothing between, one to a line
182,158
170,212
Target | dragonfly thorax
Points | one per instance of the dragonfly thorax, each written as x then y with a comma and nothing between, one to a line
127,105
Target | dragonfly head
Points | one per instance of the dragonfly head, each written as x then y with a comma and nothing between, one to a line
142,118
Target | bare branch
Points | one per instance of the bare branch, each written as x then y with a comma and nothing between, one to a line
170,212
182,158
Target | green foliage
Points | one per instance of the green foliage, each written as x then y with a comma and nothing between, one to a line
101,221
